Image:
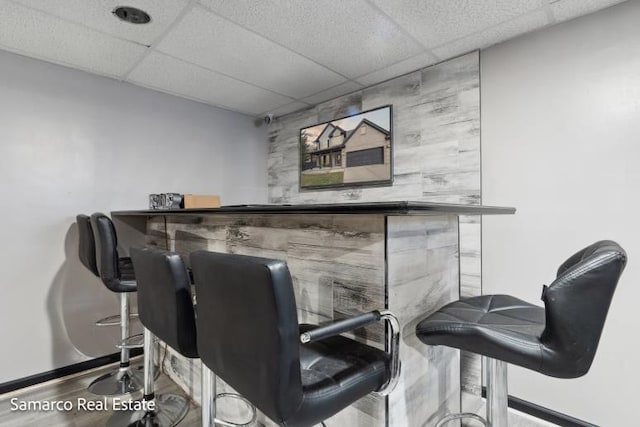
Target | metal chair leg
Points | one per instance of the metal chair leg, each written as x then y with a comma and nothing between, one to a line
208,388
168,409
125,379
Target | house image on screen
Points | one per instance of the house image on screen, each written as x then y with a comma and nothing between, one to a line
362,153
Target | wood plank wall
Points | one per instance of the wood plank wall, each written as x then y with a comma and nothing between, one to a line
343,265
337,263
436,137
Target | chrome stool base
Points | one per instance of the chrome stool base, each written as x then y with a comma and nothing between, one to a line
126,379
169,410
121,381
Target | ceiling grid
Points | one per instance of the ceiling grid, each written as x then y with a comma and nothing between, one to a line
271,56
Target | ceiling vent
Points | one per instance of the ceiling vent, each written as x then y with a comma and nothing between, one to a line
132,15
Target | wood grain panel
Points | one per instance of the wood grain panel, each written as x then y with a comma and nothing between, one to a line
337,263
422,258
436,137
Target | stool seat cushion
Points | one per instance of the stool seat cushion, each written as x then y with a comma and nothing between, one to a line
559,340
335,372
497,326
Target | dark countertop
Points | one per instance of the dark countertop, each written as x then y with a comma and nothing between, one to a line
390,208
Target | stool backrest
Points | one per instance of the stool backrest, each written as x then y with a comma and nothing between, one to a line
577,303
248,330
106,250
86,244
165,305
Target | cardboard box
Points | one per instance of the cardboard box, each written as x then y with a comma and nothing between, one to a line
192,201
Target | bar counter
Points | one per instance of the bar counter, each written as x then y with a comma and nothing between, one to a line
388,208
344,259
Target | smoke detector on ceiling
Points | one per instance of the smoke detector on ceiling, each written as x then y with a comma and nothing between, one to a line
132,15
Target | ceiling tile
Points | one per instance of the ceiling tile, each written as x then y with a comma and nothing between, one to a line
167,74
269,55
494,35
564,10
437,22
348,36
36,34
414,63
208,40
98,15
334,92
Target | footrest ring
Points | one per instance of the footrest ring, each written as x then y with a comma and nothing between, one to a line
113,320
458,416
232,424
134,341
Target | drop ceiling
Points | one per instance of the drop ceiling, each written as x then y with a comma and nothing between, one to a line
268,56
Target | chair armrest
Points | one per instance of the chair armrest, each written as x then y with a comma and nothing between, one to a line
339,327
346,325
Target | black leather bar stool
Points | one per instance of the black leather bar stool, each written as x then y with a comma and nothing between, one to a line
117,275
87,255
123,380
248,335
166,311
559,340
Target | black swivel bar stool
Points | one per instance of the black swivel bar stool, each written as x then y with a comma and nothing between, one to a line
248,335
117,274
166,311
559,340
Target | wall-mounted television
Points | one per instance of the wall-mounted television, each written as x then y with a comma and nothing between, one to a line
355,150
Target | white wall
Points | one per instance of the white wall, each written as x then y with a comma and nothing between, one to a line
560,142
71,143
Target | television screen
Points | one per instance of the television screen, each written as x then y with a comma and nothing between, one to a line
352,151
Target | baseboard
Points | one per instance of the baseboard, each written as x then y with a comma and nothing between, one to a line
543,413
63,371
